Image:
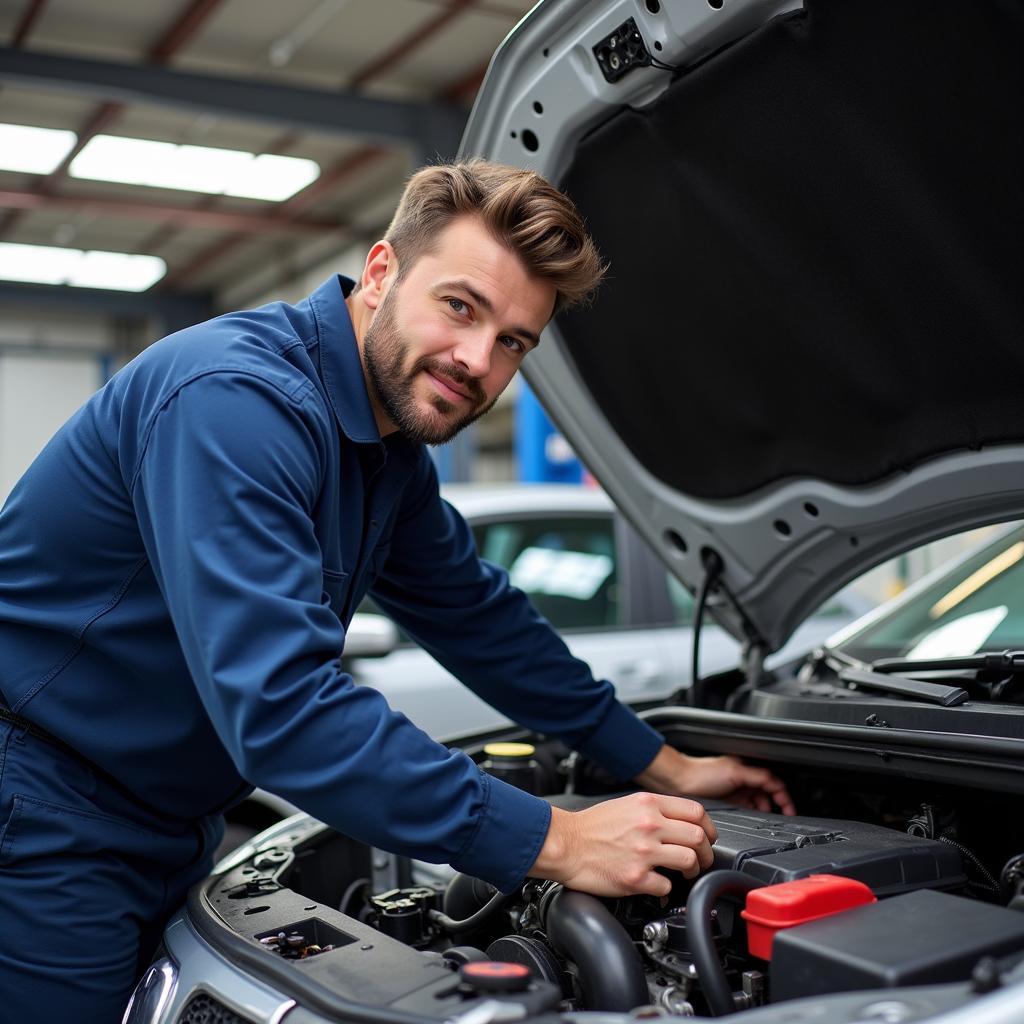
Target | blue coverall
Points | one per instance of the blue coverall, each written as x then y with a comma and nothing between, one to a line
177,569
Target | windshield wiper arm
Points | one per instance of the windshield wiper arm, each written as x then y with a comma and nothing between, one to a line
1003,661
899,686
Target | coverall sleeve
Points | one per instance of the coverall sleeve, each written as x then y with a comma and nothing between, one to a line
223,493
486,632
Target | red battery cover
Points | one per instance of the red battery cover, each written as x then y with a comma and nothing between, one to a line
774,907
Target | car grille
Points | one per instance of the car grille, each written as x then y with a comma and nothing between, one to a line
204,1009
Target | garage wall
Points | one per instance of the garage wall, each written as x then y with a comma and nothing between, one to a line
38,392
50,363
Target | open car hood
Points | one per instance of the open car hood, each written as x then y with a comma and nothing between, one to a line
807,355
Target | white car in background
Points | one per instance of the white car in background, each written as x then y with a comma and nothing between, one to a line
594,579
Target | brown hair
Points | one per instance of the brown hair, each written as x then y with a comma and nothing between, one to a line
520,208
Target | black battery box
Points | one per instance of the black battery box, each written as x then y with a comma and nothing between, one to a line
918,938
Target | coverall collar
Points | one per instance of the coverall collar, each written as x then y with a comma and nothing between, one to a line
340,365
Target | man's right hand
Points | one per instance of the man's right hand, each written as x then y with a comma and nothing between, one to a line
613,848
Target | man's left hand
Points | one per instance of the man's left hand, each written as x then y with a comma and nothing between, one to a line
723,778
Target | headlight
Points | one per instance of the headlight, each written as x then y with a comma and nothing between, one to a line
152,994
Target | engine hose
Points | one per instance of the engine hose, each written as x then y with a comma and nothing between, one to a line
465,895
585,931
449,924
703,896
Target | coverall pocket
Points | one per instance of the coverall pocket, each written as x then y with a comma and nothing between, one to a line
334,589
83,900
39,828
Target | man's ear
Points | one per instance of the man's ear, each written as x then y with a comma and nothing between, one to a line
380,269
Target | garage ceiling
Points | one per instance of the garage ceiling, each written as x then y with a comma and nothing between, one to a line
366,88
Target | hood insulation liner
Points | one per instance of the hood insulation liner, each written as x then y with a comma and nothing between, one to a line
815,249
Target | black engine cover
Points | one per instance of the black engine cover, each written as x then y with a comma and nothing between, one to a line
773,849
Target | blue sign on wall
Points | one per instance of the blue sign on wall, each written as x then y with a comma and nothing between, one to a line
542,454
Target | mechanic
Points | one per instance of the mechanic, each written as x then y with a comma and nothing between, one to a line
178,565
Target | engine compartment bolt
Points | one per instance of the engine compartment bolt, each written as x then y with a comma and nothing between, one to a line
655,934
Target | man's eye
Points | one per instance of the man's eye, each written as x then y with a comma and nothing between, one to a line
457,305
513,344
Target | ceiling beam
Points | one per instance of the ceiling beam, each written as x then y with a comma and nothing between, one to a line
345,168
215,252
175,309
184,29
377,66
186,25
392,58
432,126
181,216
27,22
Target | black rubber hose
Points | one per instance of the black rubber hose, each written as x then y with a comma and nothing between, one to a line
465,895
492,906
703,896
586,932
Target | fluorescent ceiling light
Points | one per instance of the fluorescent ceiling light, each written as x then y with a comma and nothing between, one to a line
33,150
49,264
228,172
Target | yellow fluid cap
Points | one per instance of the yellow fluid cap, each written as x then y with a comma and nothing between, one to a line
510,750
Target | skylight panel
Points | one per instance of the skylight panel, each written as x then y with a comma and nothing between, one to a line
274,178
42,264
33,150
129,161
49,264
206,169
126,272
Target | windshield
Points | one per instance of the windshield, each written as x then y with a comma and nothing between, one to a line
977,606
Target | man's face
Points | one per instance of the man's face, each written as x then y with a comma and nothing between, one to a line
445,341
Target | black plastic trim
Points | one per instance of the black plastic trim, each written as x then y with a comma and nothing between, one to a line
918,689
978,761
281,973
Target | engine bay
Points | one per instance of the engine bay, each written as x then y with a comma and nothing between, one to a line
881,886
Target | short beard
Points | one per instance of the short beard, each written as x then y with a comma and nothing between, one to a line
384,354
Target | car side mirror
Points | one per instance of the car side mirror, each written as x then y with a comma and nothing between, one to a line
370,636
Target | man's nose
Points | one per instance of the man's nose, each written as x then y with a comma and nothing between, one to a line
473,353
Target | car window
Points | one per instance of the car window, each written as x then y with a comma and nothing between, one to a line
566,566
978,606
